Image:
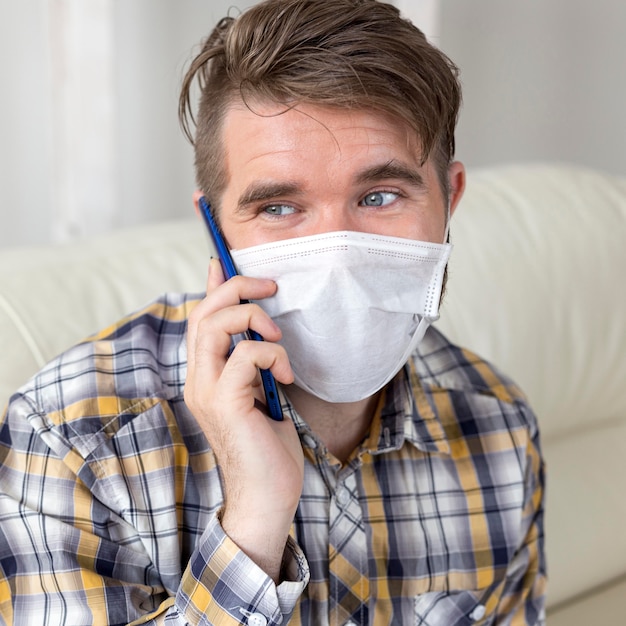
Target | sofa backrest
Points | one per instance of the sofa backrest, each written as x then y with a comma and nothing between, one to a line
537,286
53,296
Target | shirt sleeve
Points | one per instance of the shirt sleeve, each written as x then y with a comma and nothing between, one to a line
63,548
522,601
223,586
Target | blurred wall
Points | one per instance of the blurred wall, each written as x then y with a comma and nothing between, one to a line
91,142
24,123
89,136
543,80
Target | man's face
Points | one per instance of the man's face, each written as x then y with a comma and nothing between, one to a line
316,169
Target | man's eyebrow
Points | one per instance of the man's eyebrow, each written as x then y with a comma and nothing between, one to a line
261,191
392,169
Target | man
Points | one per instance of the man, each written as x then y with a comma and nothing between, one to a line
142,478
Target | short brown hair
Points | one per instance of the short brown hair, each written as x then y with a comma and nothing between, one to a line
342,53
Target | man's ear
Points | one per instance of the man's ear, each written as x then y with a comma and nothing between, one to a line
197,194
456,179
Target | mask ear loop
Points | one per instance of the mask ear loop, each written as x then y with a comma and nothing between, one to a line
446,233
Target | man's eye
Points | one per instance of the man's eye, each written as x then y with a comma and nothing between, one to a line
278,209
379,198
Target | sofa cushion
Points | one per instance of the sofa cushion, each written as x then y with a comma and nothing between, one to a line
604,606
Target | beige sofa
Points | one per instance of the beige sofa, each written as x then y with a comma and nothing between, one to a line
536,284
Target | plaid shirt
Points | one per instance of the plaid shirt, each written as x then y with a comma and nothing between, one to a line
110,499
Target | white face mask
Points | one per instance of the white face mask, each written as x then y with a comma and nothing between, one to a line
351,306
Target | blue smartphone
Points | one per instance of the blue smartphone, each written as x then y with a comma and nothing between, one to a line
269,384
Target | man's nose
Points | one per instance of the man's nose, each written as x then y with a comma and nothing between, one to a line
334,217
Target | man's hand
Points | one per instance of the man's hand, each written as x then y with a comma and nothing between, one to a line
260,459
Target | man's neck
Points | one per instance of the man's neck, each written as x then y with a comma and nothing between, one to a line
340,426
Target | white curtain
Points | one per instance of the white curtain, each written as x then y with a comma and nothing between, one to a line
84,196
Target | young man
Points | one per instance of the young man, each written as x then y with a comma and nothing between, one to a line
142,478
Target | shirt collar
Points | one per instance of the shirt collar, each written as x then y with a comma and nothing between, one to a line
406,413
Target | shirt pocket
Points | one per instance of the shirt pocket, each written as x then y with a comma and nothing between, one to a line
455,608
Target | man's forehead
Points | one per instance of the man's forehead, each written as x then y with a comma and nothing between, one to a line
344,117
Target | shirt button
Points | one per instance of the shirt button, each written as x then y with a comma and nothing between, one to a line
309,441
478,612
350,623
257,619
